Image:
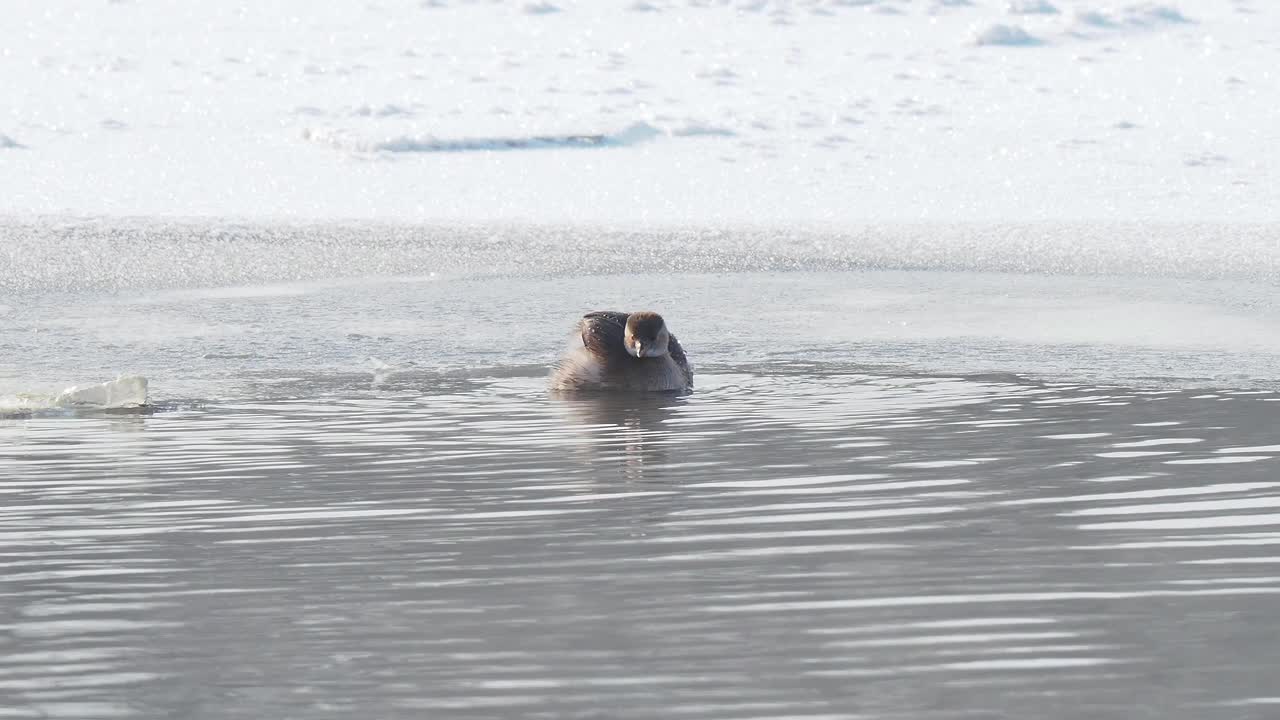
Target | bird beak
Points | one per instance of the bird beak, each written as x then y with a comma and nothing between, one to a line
639,349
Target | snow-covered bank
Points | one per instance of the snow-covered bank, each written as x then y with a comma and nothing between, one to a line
836,111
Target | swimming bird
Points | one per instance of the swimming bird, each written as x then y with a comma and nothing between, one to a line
623,351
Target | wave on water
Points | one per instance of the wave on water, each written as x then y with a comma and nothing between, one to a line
126,391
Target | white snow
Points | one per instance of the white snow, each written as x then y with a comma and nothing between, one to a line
752,111
635,133
1133,16
1005,35
540,8
1032,7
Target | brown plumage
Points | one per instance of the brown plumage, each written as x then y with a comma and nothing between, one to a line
624,351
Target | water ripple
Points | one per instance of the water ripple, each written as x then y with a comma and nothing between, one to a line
746,551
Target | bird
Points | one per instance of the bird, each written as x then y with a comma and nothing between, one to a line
624,351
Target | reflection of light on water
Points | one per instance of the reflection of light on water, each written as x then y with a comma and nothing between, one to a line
991,598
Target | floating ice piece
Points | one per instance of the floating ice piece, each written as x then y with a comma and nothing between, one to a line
124,392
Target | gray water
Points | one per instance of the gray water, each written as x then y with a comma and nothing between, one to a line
976,488
807,543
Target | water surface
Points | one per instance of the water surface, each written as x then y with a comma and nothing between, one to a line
925,473
809,542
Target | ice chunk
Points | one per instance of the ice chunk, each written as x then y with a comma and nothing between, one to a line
123,392
126,391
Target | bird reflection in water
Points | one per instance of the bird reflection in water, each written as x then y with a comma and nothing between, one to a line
631,429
